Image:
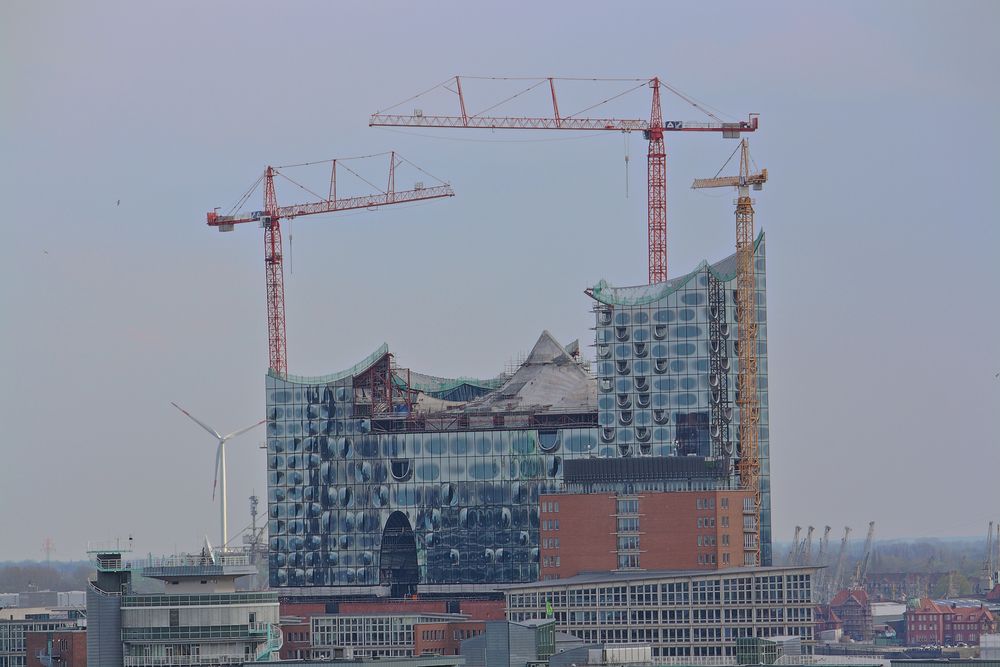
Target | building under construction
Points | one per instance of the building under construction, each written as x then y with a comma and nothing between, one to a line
384,480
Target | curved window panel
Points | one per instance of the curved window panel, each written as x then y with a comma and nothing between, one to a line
400,469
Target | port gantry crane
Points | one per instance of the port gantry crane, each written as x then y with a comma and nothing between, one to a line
270,220
653,130
747,400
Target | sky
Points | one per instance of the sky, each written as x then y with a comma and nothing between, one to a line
123,123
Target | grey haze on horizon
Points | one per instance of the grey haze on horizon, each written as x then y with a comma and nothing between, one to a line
877,128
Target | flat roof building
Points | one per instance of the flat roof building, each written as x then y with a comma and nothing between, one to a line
199,619
680,614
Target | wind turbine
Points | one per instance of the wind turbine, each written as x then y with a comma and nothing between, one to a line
220,463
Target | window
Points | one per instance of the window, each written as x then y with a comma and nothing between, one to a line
628,506
725,522
724,503
628,524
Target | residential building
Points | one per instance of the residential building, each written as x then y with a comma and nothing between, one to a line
382,480
679,613
678,530
948,621
852,607
200,618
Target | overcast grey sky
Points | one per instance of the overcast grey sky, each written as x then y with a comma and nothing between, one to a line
878,128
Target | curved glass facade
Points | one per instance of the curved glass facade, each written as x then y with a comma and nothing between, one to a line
470,496
667,364
343,455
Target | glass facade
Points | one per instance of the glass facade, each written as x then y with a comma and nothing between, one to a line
667,363
343,458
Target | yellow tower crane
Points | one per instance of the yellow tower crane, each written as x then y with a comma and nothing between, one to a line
747,400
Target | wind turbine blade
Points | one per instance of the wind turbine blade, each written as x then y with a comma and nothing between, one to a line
218,463
198,421
244,430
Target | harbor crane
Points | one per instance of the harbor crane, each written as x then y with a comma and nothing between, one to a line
653,130
747,399
807,547
794,551
861,571
270,220
834,582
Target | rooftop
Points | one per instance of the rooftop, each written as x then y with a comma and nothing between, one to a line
644,575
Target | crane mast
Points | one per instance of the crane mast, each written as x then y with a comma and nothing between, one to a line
270,220
747,399
807,549
793,552
861,571
653,131
838,573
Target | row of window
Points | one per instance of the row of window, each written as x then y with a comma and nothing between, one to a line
550,524
550,506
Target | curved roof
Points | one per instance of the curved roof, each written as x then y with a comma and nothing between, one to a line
724,270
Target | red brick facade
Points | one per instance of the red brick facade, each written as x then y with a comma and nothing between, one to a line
296,626
444,638
683,530
940,623
69,647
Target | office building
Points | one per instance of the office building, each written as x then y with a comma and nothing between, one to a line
679,614
200,618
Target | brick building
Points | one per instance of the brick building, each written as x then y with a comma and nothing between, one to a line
65,648
675,530
445,637
947,622
852,607
432,626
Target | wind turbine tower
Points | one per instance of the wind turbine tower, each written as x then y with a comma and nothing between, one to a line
220,465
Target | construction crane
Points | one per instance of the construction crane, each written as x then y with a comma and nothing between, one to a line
747,399
861,571
823,544
653,131
991,565
270,220
834,582
793,552
807,547
821,558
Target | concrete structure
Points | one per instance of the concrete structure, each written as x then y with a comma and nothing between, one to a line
989,647
948,622
200,619
680,530
57,648
852,607
387,481
680,614
511,644
17,624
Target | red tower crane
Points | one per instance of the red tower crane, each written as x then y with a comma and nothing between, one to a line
269,219
652,129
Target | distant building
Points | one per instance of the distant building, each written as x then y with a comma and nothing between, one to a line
948,622
56,648
680,614
511,643
200,619
852,607
386,635
17,624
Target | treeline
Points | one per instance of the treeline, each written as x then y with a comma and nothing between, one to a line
21,577
962,556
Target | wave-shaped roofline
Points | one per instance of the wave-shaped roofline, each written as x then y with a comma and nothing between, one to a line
638,295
